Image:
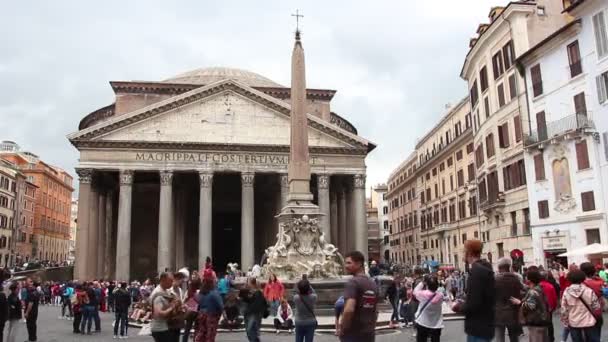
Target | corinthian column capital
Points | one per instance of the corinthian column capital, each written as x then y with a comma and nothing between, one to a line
85,176
359,181
166,177
247,179
323,181
126,177
206,178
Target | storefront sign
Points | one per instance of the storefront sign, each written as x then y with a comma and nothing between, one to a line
555,242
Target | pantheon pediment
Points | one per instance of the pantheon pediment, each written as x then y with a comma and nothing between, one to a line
226,112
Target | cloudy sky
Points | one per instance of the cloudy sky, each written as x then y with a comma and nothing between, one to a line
395,64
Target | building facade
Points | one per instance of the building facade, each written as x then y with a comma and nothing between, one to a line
206,153
50,189
73,230
497,92
380,202
374,238
8,199
565,149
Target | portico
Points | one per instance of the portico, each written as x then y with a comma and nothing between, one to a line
204,173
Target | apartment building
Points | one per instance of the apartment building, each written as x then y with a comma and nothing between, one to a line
446,188
500,120
403,221
380,202
567,147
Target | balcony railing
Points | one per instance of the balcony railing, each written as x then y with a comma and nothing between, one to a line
559,127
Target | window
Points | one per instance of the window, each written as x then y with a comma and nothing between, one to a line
470,148
451,182
501,95
541,125
471,172
514,175
537,80
486,106
464,237
441,167
513,223
582,155
434,172
517,128
512,86
588,201
483,79
458,154
574,59
601,37
508,54
479,155
526,221
539,167
580,106
474,94
503,135
501,250
460,178
497,66
593,236
452,211
543,209
490,145
462,207
483,196
467,121
473,205
602,87
450,161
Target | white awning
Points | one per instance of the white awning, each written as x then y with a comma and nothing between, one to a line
593,249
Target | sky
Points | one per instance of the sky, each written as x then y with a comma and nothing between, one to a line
395,64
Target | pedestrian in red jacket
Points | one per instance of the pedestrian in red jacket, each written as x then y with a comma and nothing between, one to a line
551,296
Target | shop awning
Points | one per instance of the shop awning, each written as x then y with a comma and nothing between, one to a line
593,249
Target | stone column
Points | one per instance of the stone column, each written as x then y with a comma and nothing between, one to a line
178,224
101,227
323,194
166,234
359,215
351,210
333,217
82,229
123,238
342,233
107,258
247,221
284,189
205,223
93,246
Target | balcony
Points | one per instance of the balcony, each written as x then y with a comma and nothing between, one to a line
493,202
570,124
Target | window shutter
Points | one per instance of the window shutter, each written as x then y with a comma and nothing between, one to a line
505,132
602,87
517,127
537,82
501,142
605,135
539,167
505,178
582,155
580,107
501,95
574,58
543,209
588,201
512,86
541,125
601,37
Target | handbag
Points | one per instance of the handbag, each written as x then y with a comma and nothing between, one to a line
309,309
424,306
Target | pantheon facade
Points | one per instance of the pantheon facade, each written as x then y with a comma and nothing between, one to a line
195,166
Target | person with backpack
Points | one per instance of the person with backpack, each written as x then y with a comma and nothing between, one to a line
361,300
507,285
305,319
429,317
534,309
79,300
580,309
256,308
66,296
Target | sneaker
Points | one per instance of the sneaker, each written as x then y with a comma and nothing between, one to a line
291,331
115,336
278,332
414,334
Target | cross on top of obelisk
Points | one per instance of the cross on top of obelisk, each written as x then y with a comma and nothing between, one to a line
298,16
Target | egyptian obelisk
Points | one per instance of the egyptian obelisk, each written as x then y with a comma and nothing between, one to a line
300,247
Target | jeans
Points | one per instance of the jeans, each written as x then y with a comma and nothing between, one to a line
252,327
274,307
471,338
514,332
538,334
585,334
565,333
395,315
190,319
121,319
66,304
423,333
87,319
77,321
30,323
305,332
96,318
359,338
286,325
14,326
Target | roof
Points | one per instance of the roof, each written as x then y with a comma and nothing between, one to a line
563,29
204,76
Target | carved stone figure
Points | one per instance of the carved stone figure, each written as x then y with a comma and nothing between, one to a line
564,202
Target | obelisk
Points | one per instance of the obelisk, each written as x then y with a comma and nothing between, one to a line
299,160
300,247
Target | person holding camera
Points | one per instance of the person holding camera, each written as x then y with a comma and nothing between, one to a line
429,316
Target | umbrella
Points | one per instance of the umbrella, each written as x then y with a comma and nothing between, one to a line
593,249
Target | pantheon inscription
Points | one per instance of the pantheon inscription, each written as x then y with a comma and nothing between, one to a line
219,158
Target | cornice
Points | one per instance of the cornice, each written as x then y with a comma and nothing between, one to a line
192,146
203,92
